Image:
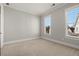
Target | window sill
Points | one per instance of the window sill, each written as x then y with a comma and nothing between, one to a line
72,37
47,34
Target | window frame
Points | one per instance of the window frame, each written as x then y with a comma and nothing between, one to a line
66,18
50,25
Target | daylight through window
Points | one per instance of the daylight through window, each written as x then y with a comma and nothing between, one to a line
73,22
47,24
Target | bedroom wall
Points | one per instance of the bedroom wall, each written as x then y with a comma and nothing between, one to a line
0,25
58,26
20,25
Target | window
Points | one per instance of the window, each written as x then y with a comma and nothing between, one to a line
72,22
47,24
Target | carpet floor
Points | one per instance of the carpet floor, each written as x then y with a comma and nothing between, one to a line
0,51
38,47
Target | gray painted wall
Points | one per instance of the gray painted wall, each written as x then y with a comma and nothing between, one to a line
0,19
0,25
20,25
58,26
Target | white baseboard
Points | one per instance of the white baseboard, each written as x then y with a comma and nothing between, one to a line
21,40
63,43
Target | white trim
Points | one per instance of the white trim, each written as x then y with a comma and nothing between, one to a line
21,40
72,37
66,23
63,43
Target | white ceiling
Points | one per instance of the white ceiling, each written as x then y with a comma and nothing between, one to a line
33,8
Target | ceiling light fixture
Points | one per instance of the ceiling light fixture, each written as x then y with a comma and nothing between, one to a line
53,5
7,4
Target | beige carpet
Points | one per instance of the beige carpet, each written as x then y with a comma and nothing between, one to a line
0,51
38,47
